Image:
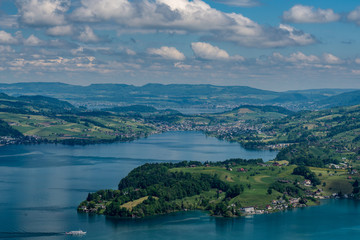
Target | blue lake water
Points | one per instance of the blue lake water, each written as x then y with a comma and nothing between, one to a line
41,186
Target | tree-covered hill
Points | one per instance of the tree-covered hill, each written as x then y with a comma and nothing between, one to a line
343,99
222,188
6,130
34,104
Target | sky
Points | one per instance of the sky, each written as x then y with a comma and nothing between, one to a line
268,44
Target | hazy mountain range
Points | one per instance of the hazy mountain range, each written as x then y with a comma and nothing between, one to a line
182,96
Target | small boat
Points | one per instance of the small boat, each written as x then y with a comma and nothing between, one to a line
80,232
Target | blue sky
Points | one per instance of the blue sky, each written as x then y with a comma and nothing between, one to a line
276,45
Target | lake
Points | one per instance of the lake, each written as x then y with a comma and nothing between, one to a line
41,186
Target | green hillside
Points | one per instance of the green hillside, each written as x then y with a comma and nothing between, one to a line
221,188
51,120
313,137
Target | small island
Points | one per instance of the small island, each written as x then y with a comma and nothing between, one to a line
231,188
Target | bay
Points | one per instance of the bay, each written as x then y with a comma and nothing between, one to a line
41,186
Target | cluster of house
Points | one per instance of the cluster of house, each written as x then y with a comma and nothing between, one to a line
251,211
6,140
92,209
221,130
342,165
276,205
279,146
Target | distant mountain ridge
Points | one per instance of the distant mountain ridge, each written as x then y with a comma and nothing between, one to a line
176,96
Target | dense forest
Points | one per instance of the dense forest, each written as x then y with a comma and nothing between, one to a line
161,188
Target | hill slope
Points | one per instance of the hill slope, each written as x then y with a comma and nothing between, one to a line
343,99
51,120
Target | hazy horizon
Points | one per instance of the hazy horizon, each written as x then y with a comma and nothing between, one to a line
109,83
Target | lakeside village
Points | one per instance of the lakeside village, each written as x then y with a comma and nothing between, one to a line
284,203
222,131
312,193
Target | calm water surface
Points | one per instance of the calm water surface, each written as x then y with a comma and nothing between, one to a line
41,186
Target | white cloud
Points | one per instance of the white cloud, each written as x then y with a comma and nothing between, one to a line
239,3
354,16
299,60
65,30
182,66
188,16
33,41
357,60
209,52
167,52
88,35
308,14
58,64
297,36
43,12
331,59
6,49
130,52
7,38
98,10
297,57
77,51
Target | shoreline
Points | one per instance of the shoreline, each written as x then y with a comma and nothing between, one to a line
207,212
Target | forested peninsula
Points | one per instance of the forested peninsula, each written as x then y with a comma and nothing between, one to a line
230,188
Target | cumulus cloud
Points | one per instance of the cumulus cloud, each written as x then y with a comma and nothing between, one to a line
209,52
188,16
239,3
88,36
296,57
7,38
299,56
331,59
98,10
65,30
33,41
167,53
301,60
58,64
6,49
182,66
130,52
43,12
354,16
308,14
